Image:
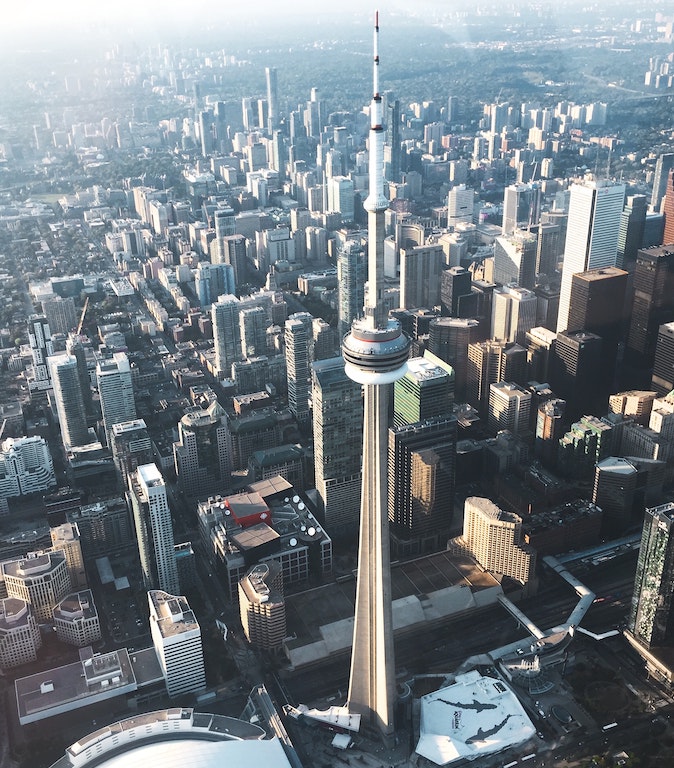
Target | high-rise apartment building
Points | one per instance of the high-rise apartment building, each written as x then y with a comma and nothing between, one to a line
115,389
226,333
154,530
26,467
650,617
176,636
338,435
298,334
60,313
253,324
41,347
591,236
213,280
68,400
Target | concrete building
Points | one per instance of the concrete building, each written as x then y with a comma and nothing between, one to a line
131,447
662,381
494,538
177,640
509,408
262,607
513,313
20,637
515,258
66,538
40,579
76,620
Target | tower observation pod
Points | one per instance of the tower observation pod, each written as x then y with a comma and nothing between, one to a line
375,354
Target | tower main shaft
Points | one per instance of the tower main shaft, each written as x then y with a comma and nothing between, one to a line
375,354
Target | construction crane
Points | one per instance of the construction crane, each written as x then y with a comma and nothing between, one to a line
84,312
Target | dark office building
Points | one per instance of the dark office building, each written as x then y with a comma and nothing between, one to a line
456,296
653,303
575,373
631,232
663,367
490,362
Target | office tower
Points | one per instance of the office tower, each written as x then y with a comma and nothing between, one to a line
253,323
224,221
262,608
115,389
663,167
69,402
41,347
521,206
375,353
207,132
203,452
272,99
515,259
489,362
131,447
615,482
233,252
668,210
341,196
297,339
539,343
176,636
60,313
662,381
426,390
323,342
338,436
448,339
650,617
20,638
635,404
494,537
550,427
421,466
652,305
226,334
575,373
40,579
456,295
509,408
154,531
631,233
591,235
460,202
76,620
420,270
549,248
596,305
213,280
104,526
66,538
513,313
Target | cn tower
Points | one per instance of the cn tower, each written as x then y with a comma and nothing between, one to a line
375,354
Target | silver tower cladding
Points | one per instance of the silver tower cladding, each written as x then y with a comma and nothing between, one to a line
375,354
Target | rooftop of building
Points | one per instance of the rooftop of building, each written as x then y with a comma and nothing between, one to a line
75,606
422,369
474,717
150,475
173,613
176,737
14,613
34,564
